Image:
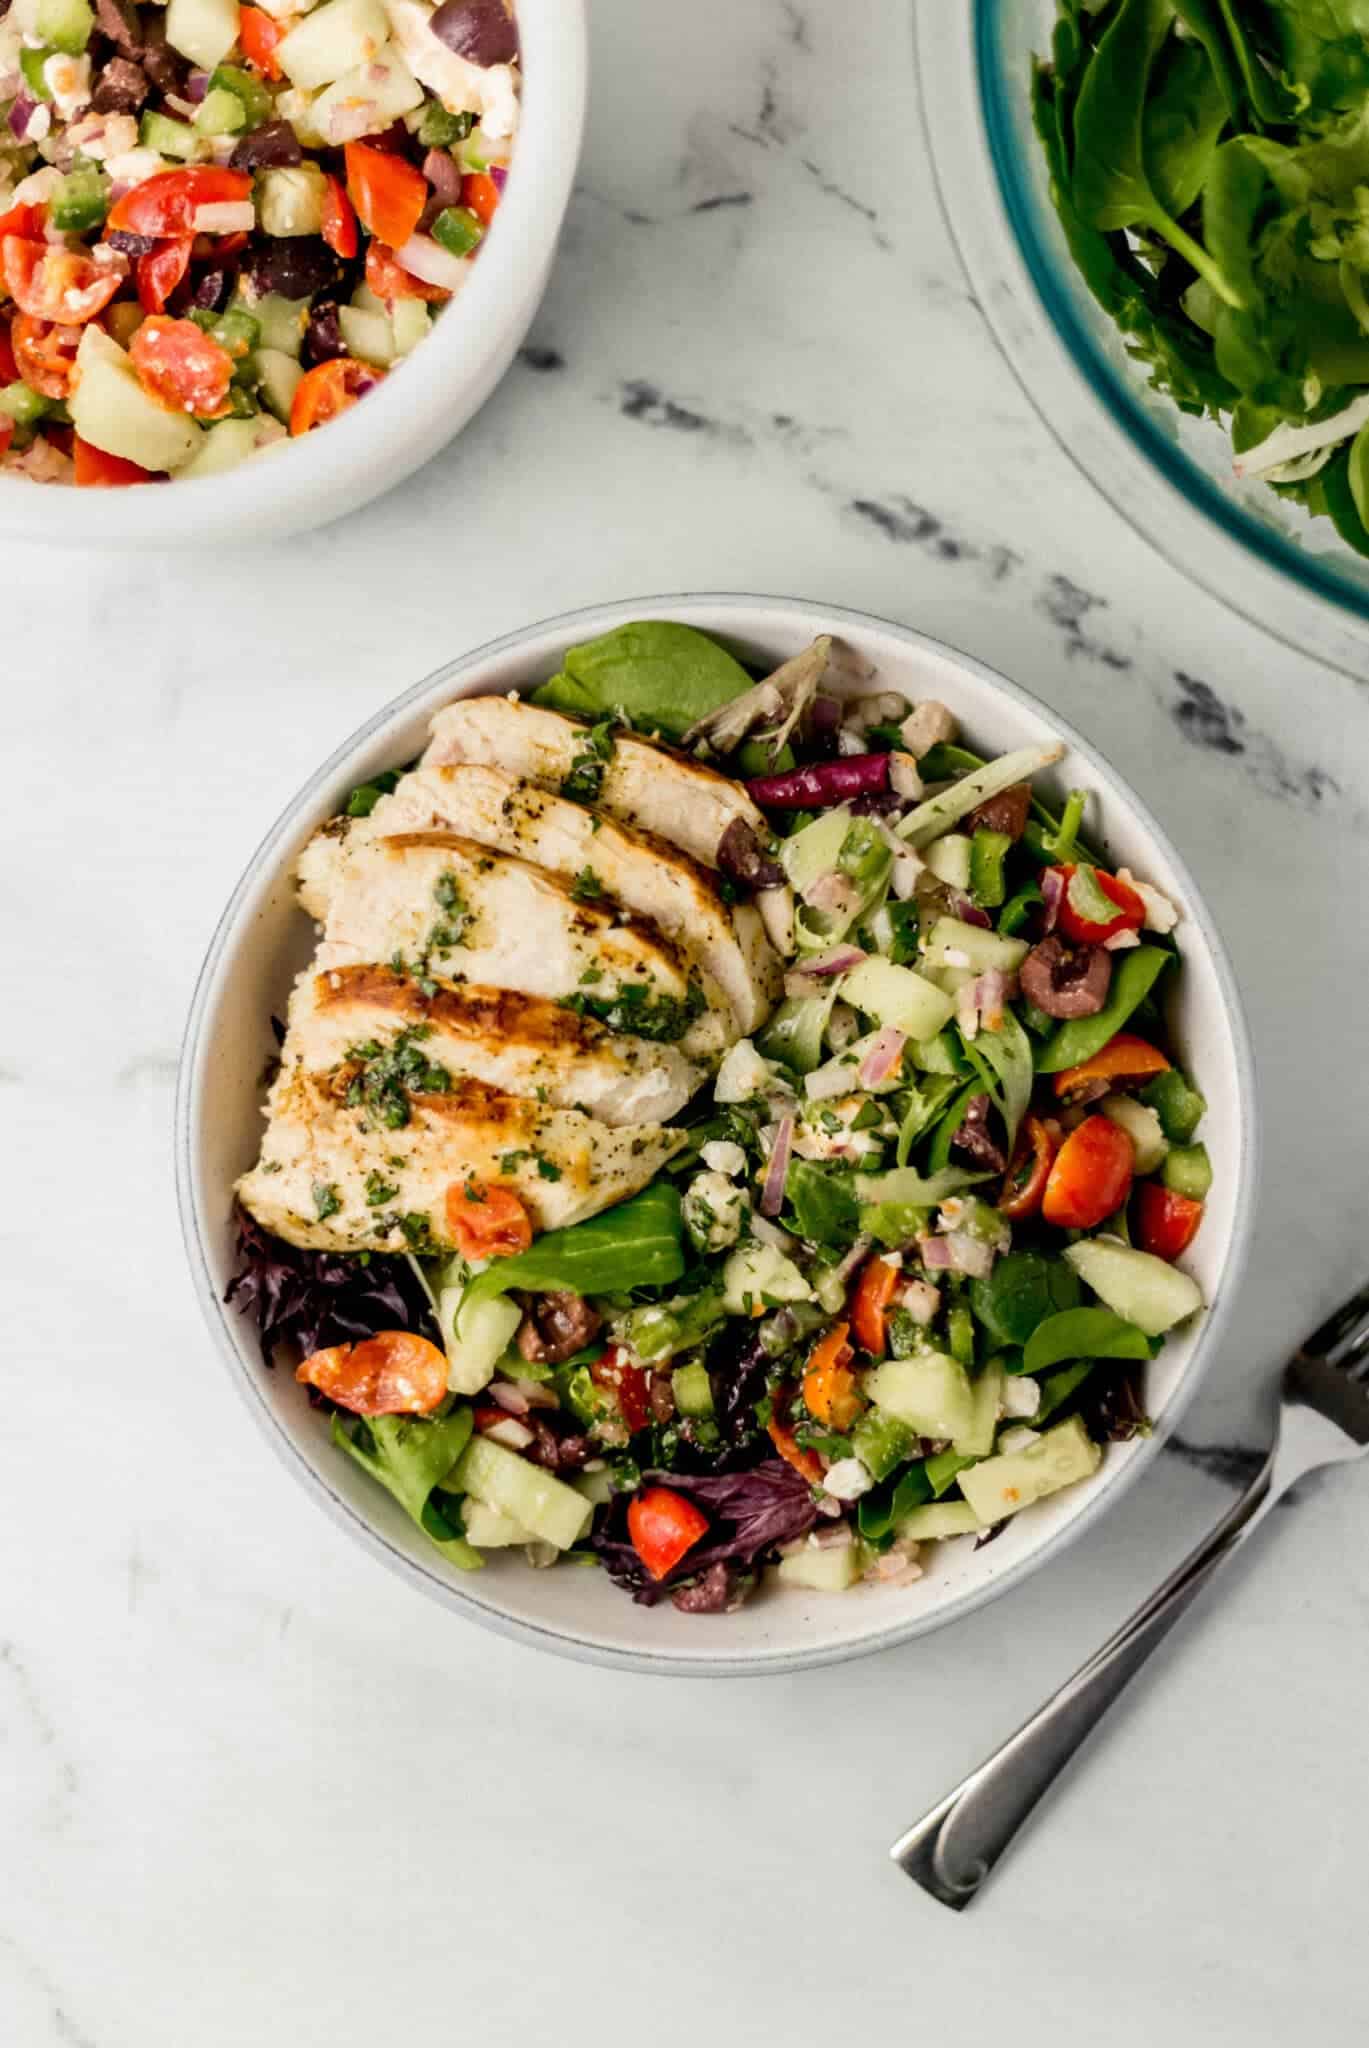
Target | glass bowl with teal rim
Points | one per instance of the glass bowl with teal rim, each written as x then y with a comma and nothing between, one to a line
1169,475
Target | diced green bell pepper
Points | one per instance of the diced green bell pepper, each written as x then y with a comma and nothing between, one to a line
988,850
457,230
81,202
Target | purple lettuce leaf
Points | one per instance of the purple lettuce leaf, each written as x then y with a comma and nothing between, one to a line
310,1300
751,1514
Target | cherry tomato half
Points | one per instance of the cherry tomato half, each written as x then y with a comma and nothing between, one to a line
1091,1176
55,283
182,366
1166,1222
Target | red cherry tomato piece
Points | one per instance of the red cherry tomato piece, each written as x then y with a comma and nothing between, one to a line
480,194
260,36
663,1526
161,270
97,469
1166,1222
182,366
55,283
392,1373
388,193
167,203
1091,1176
485,1221
389,279
339,229
44,355
625,1379
1131,911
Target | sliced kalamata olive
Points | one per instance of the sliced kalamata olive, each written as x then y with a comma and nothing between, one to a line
481,31
118,20
274,146
1006,812
974,1136
121,87
323,342
743,859
443,174
167,69
130,244
710,1594
212,288
1065,980
296,266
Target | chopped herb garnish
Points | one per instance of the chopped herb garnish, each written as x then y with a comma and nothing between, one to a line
326,1200
587,888
453,927
509,1162
367,795
417,1232
636,1011
586,777
389,1075
379,1191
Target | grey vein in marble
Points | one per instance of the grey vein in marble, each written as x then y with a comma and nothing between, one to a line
1066,605
1207,721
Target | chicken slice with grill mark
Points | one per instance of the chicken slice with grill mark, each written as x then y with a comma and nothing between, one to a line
525,1045
332,1178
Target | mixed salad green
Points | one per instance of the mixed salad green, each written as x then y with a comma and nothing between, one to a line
222,224
919,1239
1210,166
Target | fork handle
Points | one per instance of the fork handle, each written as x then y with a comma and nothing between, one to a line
951,1850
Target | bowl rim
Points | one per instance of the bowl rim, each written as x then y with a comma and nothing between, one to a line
722,607
1255,570
374,445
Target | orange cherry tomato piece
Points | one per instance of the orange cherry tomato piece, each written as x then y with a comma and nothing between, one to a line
167,203
626,1379
806,1463
329,389
388,193
25,221
1028,1171
663,1526
481,195
1123,1058
161,270
829,1385
389,279
392,1373
55,283
1091,1176
260,36
1131,911
182,366
44,355
875,1289
96,468
1166,1222
485,1220
339,229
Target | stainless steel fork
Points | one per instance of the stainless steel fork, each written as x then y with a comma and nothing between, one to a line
1323,1420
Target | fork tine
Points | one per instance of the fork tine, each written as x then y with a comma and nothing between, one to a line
1342,1332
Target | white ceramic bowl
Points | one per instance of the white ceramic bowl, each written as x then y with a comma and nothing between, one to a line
417,409
263,940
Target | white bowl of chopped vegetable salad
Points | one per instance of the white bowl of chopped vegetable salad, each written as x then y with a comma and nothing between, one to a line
272,255
759,1112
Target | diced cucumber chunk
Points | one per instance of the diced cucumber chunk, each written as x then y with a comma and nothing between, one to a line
202,30
977,1441
335,38
81,203
282,322
951,859
221,113
813,851
32,65
595,1487
1188,1171
246,88
997,1487
111,410
488,1529
692,1389
1147,1291
1141,1125
367,100
369,336
937,1519
278,377
831,1569
65,24
477,1338
499,1478
930,1392
411,321
231,442
952,943
1179,1107
758,1275
290,200
897,996
170,138
24,405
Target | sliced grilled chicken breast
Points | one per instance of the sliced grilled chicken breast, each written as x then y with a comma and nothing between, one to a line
331,1178
643,784
473,915
616,862
525,1045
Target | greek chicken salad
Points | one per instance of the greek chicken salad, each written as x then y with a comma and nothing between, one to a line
221,225
727,1129
1210,167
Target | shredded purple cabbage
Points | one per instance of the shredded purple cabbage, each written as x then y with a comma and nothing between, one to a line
314,1299
752,1513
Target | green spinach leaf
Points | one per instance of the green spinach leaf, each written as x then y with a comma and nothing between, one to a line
1021,1291
636,1244
662,676
410,1456
1082,1333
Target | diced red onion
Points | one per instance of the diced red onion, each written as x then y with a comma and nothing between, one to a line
836,1536
770,1233
441,171
853,1258
882,1060
499,176
772,1194
184,107
957,1252
968,911
196,86
506,1396
1052,889
840,960
513,1434
537,1394
426,259
989,992
24,106
832,891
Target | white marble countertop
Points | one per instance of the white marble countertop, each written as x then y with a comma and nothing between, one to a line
254,1791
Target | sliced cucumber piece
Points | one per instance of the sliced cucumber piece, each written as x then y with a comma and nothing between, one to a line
334,39
692,1389
930,1392
1188,1171
170,138
282,322
488,1529
1000,1486
952,943
939,1518
1141,1125
230,442
290,200
500,1479
278,377
367,100
828,1570
951,860
411,321
65,25
111,410
1145,1290
477,1339
899,997
977,1442
813,851
758,1275
369,336
202,30
221,113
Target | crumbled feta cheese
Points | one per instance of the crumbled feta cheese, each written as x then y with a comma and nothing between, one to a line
713,1210
904,779
742,1074
847,1479
723,1156
100,136
1119,941
921,1300
1017,1440
1021,1397
928,725
1161,914
38,189
68,80
136,166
